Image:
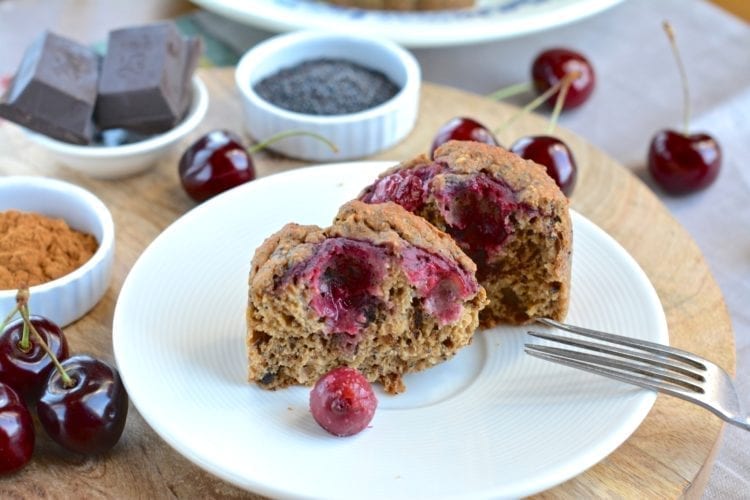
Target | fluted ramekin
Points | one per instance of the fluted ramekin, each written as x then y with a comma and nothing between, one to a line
355,134
69,297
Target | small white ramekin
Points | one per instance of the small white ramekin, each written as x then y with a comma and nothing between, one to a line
69,297
113,162
357,134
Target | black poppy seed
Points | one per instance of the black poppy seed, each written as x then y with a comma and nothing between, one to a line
326,87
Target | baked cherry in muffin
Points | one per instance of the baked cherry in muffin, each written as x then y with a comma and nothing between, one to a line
505,212
380,290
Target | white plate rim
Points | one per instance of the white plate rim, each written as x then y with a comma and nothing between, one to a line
562,473
489,20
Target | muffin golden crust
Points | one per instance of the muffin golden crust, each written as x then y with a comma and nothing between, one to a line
505,212
380,290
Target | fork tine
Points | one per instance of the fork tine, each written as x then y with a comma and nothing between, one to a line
572,358
630,378
652,347
663,377
642,356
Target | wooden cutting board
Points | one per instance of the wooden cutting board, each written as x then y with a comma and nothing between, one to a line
671,453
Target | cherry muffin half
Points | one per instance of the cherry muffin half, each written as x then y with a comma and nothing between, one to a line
505,212
380,290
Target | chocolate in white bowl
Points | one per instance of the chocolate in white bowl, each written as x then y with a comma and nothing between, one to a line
112,162
67,298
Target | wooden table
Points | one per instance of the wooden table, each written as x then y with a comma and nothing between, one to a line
740,8
668,456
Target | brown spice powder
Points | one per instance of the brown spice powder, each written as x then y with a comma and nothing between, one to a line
35,249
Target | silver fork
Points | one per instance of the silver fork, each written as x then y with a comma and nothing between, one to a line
646,364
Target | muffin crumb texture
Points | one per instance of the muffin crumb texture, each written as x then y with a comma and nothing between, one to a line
380,290
505,212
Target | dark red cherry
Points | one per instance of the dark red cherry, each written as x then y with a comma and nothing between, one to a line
554,155
552,65
214,163
462,129
16,431
684,163
342,401
89,416
26,370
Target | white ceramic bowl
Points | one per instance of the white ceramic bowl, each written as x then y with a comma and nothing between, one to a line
112,162
356,134
65,299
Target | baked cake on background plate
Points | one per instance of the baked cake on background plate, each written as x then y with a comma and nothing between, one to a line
380,290
405,4
505,212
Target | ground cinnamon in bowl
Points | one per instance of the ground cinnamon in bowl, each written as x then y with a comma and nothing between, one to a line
35,249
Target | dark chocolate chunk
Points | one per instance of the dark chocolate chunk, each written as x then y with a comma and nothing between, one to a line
145,79
54,89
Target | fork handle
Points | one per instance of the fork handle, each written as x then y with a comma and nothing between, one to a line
742,423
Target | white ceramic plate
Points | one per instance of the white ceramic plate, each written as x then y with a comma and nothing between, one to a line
489,20
491,422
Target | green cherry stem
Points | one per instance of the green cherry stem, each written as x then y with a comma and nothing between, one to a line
8,318
538,101
565,83
683,76
291,133
510,91
67,381
22,300
25,343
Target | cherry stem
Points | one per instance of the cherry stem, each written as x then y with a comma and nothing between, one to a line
566,82
540,99
25,343
683,76
67,381
8,318
510,91
22,300
290,133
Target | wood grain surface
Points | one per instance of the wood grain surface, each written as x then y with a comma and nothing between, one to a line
668,456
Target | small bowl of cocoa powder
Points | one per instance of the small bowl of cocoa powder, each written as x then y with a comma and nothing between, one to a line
57,239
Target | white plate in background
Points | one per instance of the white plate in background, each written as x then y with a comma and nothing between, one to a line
488,20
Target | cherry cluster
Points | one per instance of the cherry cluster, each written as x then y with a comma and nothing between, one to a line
679,162
79,400
562,78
